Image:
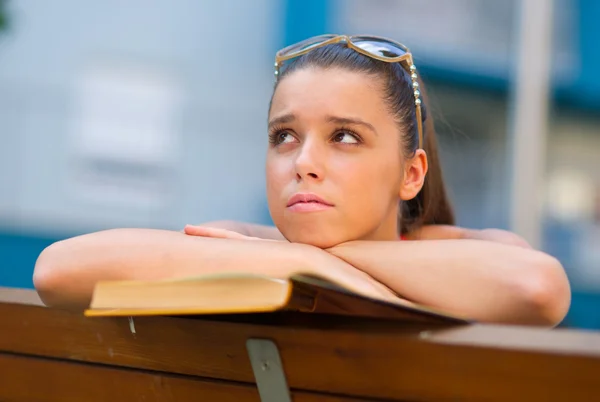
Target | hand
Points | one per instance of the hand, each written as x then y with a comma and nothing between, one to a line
206,231
320,263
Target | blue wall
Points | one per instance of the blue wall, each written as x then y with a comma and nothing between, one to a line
18,254
306,18
586,91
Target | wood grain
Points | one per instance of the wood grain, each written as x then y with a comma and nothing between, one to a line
29,379
346,357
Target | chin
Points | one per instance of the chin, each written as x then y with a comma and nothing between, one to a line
320,240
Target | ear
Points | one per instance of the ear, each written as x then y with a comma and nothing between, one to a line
415,170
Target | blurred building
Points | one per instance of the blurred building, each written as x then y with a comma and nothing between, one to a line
152,115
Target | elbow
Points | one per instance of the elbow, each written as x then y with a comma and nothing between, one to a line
545,291
44,275
48,277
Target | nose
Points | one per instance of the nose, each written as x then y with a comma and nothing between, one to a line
310,162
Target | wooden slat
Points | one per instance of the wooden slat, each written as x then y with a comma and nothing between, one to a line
359,358
29,379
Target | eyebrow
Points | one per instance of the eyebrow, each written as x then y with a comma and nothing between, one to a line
351,120
290,117
286,118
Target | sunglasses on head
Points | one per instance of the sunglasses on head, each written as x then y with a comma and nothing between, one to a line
378,48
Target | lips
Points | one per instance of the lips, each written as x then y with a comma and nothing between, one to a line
307,198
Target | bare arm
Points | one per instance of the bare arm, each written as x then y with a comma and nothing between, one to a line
447,232
66,272
428,232
484,280
491,274
248,229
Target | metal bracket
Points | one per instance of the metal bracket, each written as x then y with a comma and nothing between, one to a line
268,370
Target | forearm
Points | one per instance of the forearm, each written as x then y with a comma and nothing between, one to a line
66,272
483,280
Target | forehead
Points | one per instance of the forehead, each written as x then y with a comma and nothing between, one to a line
314,92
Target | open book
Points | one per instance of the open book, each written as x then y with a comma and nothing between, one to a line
242,293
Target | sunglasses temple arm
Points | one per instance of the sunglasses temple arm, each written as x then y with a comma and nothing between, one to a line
420,127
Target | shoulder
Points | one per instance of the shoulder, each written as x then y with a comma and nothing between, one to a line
447,232
436,232
501,236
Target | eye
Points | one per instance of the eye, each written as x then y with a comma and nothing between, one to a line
279,137
346,137
285,137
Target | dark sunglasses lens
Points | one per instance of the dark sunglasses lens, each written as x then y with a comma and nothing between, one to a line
305,44
378,46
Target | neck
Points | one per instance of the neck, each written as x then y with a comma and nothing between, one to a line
388,230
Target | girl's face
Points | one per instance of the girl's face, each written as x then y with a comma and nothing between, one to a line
334,167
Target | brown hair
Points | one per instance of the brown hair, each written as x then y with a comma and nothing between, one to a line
431,205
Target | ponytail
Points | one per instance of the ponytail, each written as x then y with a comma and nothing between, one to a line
431,206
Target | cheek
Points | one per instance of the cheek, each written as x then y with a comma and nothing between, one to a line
368,181
277,176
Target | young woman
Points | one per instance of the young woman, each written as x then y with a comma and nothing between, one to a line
355,190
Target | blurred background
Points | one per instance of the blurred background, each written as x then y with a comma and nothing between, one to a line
153,114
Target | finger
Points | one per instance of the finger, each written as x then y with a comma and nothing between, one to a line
202,231
194,230
205,231
212,232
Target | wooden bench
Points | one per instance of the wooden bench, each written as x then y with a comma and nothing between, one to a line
52,355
